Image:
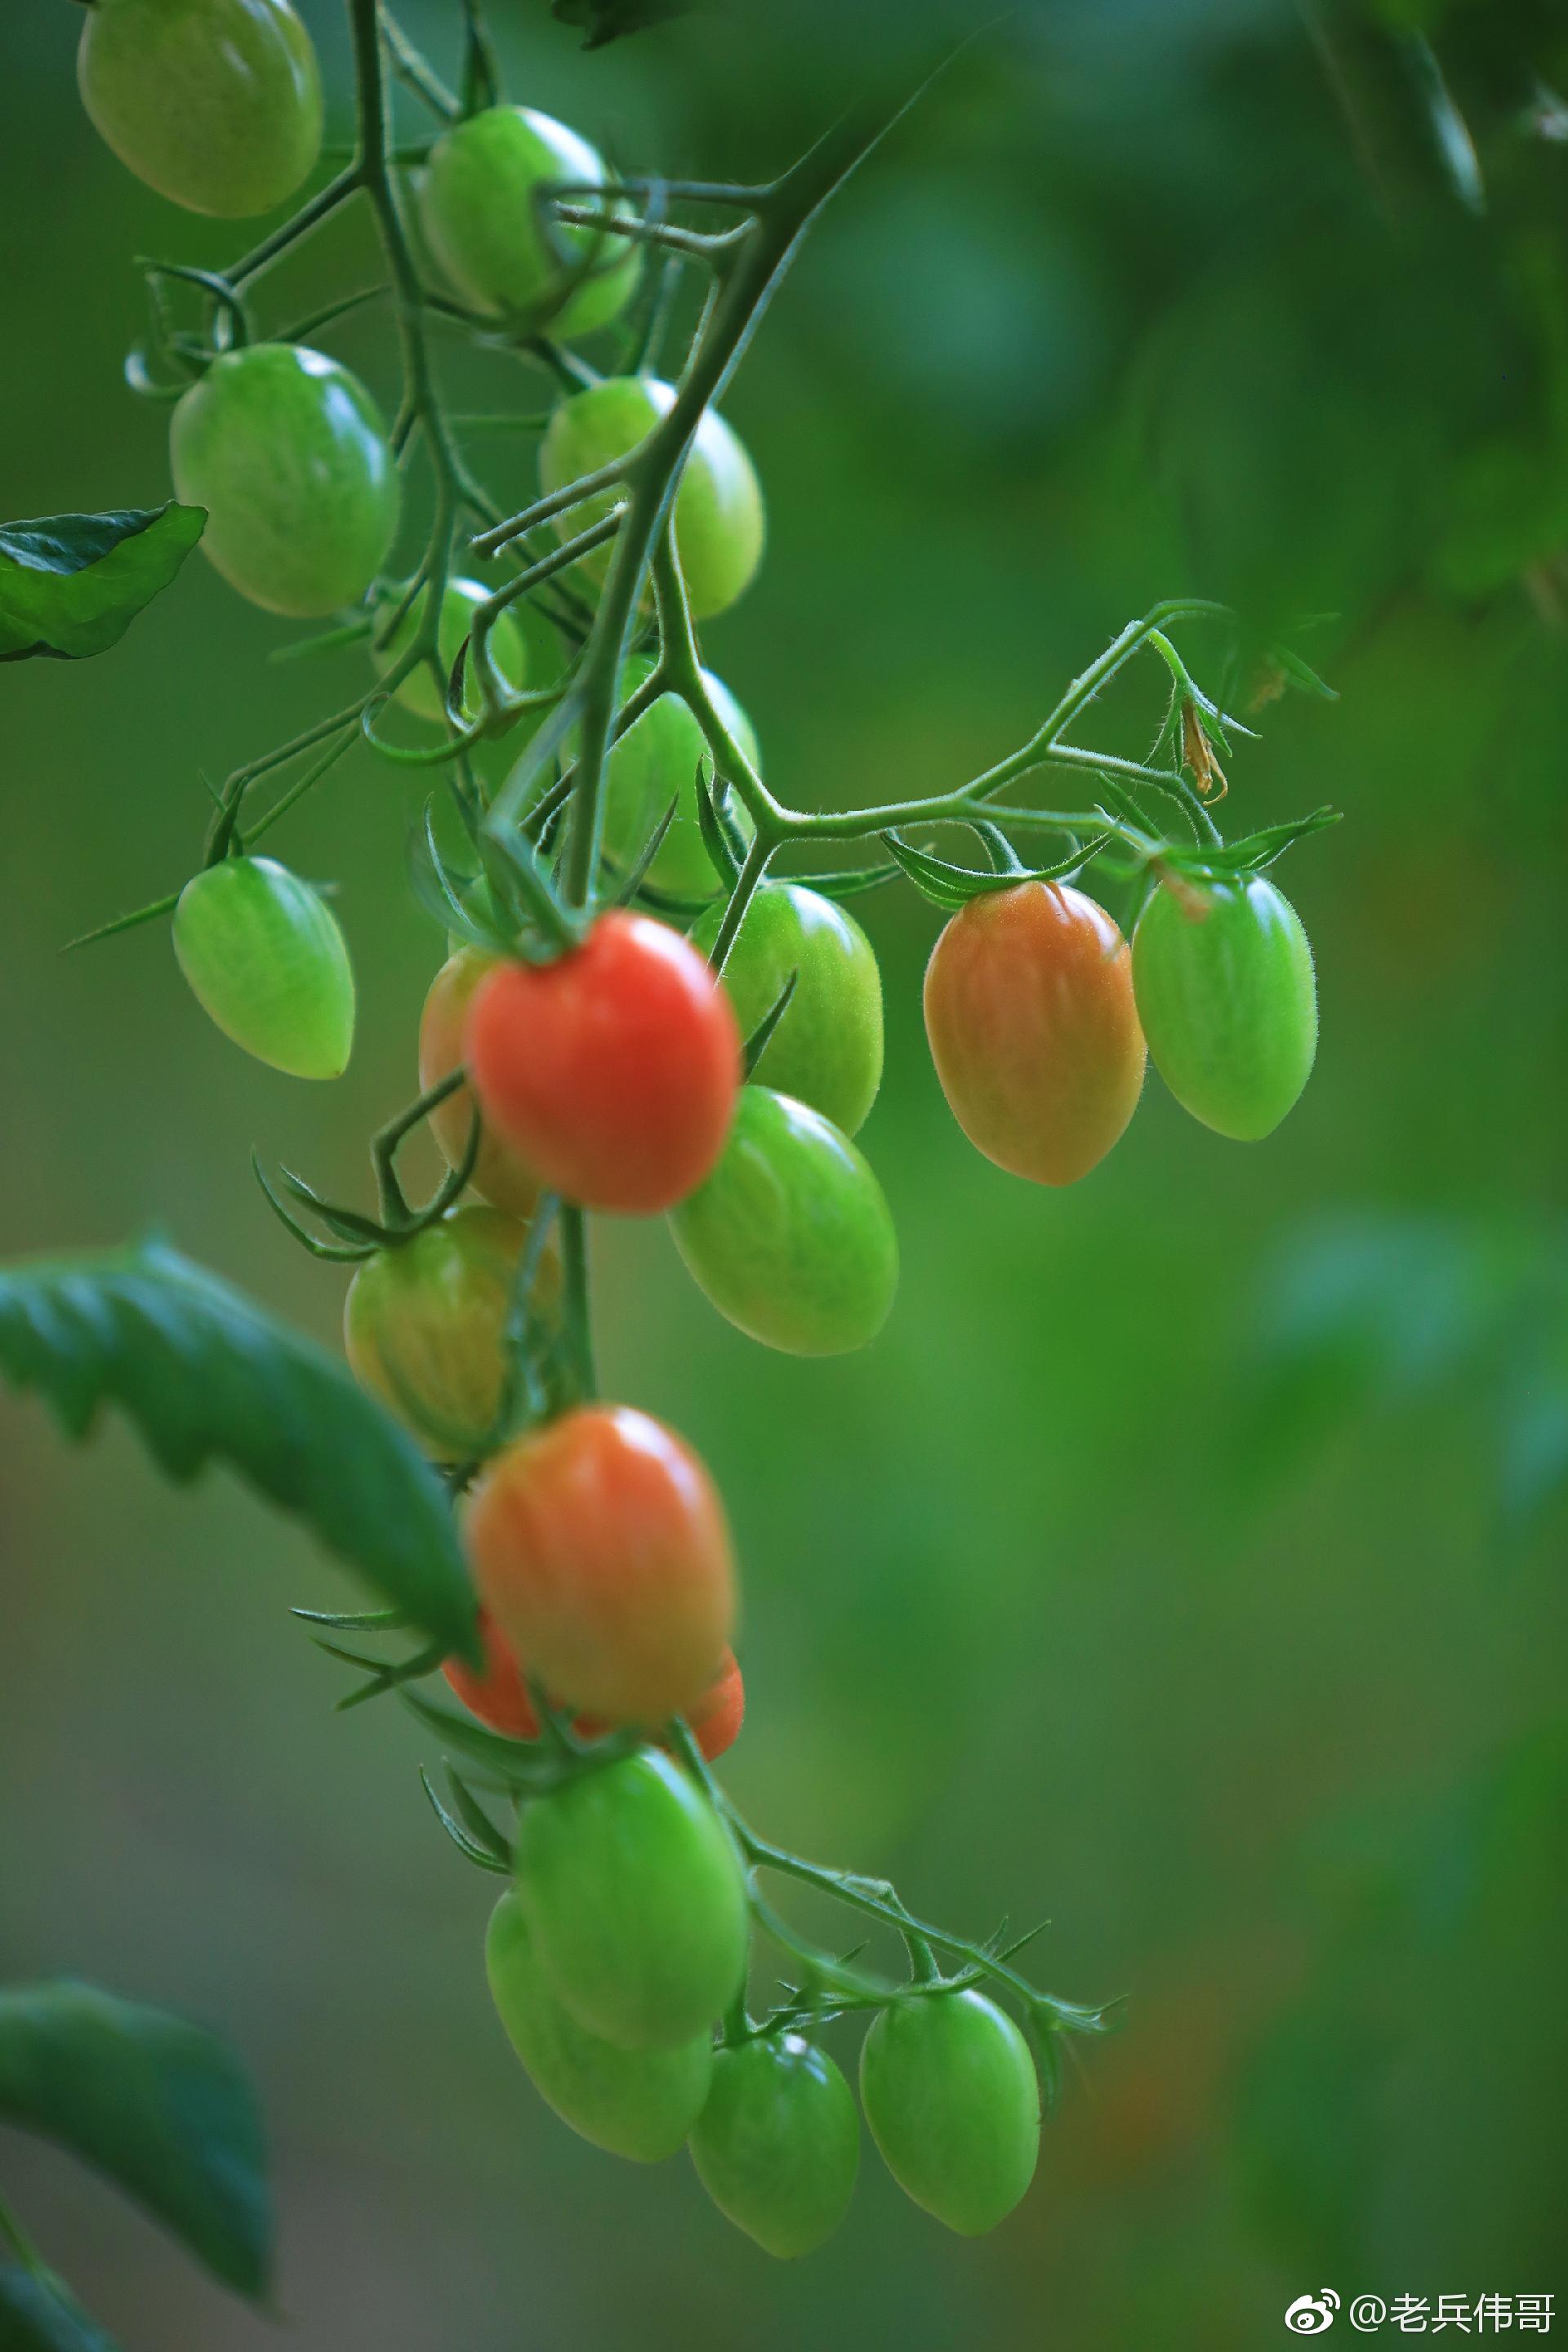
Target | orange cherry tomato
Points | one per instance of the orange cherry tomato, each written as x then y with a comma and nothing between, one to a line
500,1176
1029,1012
613,1072
500,1696
599,1546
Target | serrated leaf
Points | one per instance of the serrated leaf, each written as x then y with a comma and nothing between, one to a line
159,2105
203,1375
39,2315
71,585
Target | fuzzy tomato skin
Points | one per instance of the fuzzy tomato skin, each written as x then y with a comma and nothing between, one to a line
286,451
827,1050
500,1696
719,521
953,2103
614,1071
424,1326
599,1546
1229,1004
418,692
478,210
791,1236
216,103
635,1899
1033,1029
503,1180
638,2104
777,2146
265,960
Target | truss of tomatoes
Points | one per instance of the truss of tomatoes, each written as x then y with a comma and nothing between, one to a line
615,1078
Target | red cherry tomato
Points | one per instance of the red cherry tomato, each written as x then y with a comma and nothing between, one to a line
611,1072
599,1546
500,1696
1029,1011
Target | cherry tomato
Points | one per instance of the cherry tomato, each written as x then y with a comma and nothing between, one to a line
500,1696
499,1174
791,1236
719,524
418,691
656,763
480,209
216,103
951,2094
634,2102
424,1325
599,1546
1230,1004
613,1072
286,451
777,2146
635,1899
265,960
826,1051
1029,1012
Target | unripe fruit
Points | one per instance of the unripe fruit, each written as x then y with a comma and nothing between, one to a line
827,1050
777,2146
953,2103
499,1174
479,209
1229,1003
266,959
599,1546
634,1896
418,692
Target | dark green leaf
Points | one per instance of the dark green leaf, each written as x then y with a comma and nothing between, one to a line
610,20
204,1374
72,584
39,2315
159,2105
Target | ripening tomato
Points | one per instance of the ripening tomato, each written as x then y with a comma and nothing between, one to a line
480,209
500,1696
777,2146
287,452
634,2102
826,1051
951,2094
1230,1004
216,103
655,762
265,960
424,1326
633,1896
791,1236
499,1174
599,1546
418,691
719,523
1029,1012
611,1072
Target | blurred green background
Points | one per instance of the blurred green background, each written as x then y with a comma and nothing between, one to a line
1183,1564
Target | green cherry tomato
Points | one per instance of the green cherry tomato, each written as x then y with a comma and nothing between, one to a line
418,691
654,763
791,1236
286,451
265,960
719,524
482,220
639,2103
1229,1003
827,1049
216,103
777,2147
424,1326
634,1896
951,2094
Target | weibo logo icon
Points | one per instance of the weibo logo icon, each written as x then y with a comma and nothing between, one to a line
1309,2315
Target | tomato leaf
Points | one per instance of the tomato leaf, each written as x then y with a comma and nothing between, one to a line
39,2315
204,1374
71,585
160,2107
611,20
